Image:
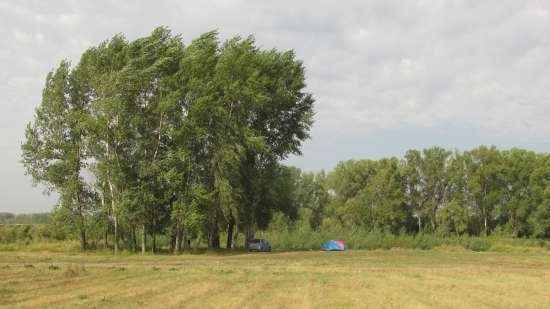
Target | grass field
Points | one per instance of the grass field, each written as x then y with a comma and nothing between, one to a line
441,278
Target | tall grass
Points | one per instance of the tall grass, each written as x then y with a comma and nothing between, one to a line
37,246
358,239
25,234
299,237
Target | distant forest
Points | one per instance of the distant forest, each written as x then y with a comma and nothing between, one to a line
151,139
33,218
433,191
476,192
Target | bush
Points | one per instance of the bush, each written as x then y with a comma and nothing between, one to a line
477,244
53,267
307,239
22,234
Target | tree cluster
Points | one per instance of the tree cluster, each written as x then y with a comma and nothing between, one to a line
150,137
34,218
476,192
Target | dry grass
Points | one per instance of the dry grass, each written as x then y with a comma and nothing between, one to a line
401,279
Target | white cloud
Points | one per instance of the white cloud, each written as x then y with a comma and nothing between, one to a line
373,66
68,20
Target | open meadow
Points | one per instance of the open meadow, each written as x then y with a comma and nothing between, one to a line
398,278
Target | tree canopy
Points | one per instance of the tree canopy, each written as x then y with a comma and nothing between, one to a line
154,135
153,138
475,192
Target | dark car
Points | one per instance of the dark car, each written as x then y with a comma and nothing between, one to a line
259,245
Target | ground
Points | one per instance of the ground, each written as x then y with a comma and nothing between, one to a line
450,278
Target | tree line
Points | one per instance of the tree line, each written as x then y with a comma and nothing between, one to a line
34,218
475,192
151,137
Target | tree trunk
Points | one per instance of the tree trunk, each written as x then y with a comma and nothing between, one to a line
177,245
133,244
235,237
116,234
106,238
485,225
181,238
82,239
186,241
178,241
172,242
215,237
197,242
115,219
432,220
81,225
113,207
419,224
143,239
154,242
106,232
249,235
230,228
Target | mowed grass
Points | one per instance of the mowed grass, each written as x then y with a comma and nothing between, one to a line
451,278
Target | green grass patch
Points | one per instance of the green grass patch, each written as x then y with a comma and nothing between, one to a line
306,239
82,296
53,267
6,292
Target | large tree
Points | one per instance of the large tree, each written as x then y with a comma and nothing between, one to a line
484,183
54,150
180,139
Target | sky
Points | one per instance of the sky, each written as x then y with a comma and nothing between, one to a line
387,76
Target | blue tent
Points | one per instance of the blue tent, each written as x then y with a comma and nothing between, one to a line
334,245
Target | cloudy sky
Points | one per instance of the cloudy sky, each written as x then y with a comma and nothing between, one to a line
387,75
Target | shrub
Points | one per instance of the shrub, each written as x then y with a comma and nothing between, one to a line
308,239
477,244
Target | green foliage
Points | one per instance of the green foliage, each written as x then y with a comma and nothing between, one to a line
475,192
452,219
54,150
179,140
24,234
82,296
53,267
34,218
477,244
153,140
304,238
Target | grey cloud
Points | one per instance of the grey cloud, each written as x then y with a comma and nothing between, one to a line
373,66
